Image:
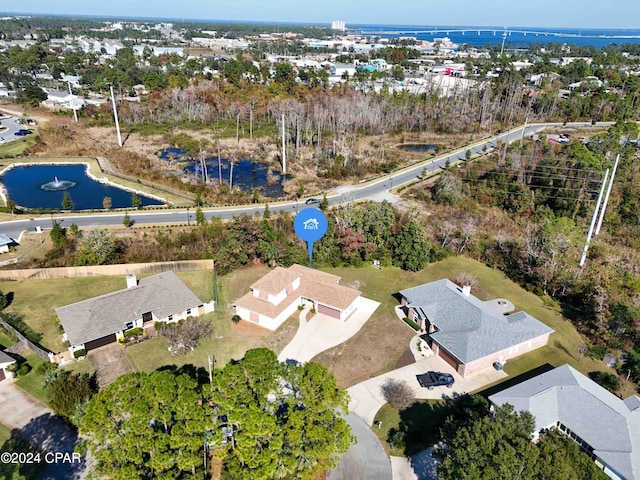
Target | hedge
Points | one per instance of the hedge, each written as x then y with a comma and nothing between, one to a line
411,323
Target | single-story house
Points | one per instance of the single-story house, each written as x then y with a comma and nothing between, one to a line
469,334
603,425
277,295
102,320
5,243
5,361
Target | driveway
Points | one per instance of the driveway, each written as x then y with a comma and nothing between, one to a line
109,363
46,431
366,397
323,332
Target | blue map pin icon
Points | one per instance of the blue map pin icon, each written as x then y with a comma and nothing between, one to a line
310,225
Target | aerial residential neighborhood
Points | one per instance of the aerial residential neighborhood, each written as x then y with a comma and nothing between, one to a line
280,249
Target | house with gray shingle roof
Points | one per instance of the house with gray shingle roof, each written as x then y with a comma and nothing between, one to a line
102,320
5,361
603,425
466,332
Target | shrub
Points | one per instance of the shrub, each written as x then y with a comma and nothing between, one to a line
236,319
46,367
607,380
300,307
411,323
397,393
134,332
80,353
23,369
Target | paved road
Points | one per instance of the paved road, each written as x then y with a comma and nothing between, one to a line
370,190
37,424
12,126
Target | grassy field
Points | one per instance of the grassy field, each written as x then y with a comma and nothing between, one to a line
5,434
16,147
32,381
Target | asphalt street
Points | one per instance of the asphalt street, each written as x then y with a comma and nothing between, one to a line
354,193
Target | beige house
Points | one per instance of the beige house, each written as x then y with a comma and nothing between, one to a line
469,334
277,295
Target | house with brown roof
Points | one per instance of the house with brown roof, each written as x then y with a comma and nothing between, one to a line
98,321
468,333
277,295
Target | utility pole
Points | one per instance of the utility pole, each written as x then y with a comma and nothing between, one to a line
593,220
115,116
606,197
72,103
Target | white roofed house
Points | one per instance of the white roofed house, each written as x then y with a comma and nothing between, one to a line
468,333
605,426
102,320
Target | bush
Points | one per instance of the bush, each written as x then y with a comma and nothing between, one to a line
23,369
236,319
45,367
607,380
411,323
134,332
397,393
597,351
80,353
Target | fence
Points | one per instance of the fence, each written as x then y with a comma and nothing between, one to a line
25,342
96,270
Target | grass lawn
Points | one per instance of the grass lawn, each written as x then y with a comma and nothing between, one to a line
16,147
5,434
32,381
5,340
421,422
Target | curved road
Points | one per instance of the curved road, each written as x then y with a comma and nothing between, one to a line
368,190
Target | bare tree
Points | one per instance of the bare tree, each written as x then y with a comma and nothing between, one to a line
183,337
397,393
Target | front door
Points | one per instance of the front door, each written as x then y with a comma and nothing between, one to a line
147,317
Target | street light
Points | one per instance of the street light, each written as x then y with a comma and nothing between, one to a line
188,217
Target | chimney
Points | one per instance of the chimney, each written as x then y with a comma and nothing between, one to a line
132,281
466,290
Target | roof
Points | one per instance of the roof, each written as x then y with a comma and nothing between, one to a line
315,285
607,423
468,328
275,281
4,358
163,294
4,240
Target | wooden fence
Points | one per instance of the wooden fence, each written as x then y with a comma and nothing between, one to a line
98,270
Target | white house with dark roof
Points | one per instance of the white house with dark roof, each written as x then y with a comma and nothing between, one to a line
5,361
603,425
466,332
102,320
277,295
5,243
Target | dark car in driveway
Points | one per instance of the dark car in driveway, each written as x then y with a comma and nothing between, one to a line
23,132
435,379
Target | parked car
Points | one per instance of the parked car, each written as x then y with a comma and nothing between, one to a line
435,379
312,201
23,132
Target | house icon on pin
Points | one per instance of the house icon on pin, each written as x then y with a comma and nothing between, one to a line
311,224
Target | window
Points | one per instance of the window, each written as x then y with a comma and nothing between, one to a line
129,325
188,311
170,317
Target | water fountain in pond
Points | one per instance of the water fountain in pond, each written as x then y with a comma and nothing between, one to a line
57,185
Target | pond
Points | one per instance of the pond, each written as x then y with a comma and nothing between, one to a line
43,186
417,147
247,174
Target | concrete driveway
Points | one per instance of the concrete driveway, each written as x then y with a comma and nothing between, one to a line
323,332
109,363
34,422
366,397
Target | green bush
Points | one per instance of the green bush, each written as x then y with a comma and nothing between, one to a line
23,369
597,351
80,353
134,332
235,318
411,323
45,367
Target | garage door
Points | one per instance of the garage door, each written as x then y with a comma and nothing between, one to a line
1,374
448,358
332,312
100,342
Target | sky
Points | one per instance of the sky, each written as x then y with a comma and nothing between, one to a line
512,13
